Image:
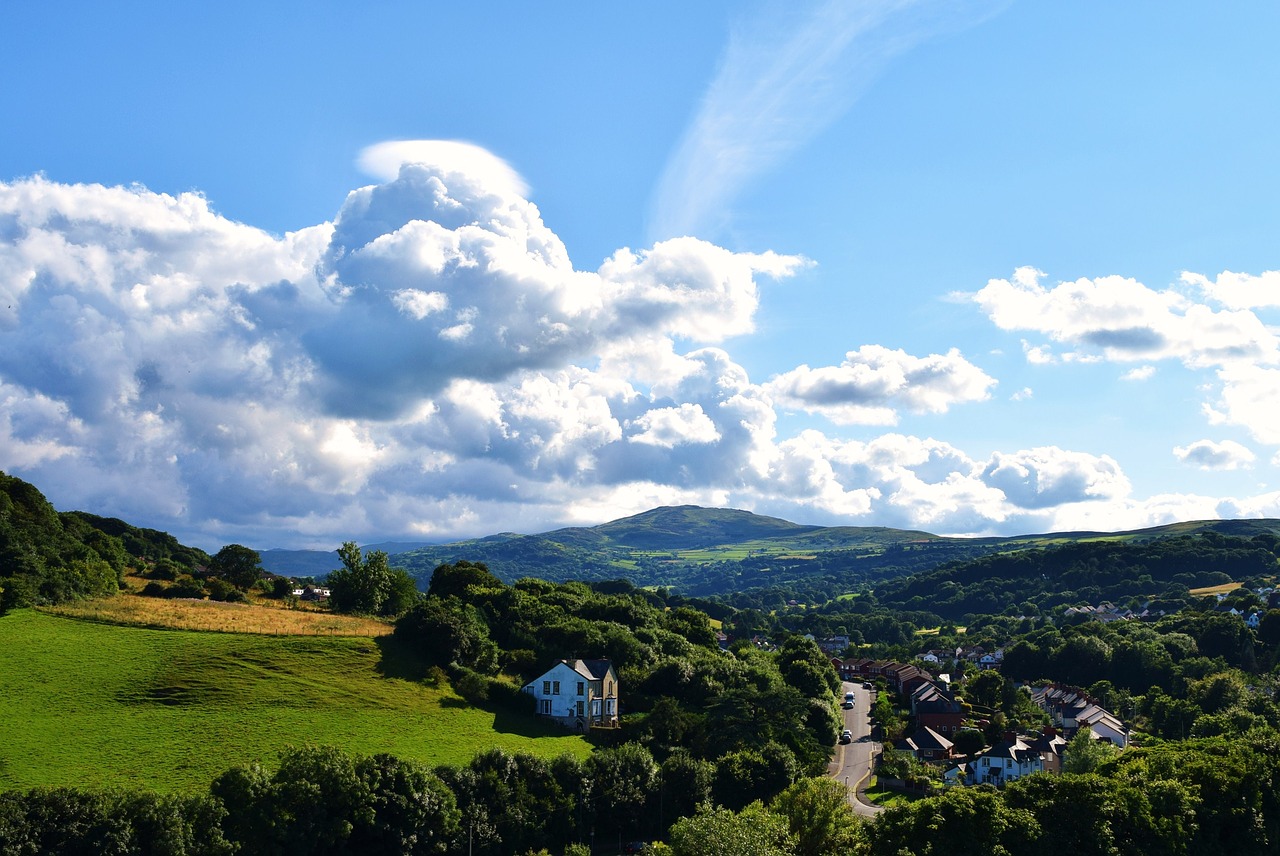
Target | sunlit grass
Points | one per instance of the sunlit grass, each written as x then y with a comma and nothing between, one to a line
889,798
93,705
216,617
1225,588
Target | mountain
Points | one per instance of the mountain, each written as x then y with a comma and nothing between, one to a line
717,551
318,563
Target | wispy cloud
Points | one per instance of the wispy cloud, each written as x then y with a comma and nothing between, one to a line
787,73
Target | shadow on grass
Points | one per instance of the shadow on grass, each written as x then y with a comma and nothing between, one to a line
524,724
399,660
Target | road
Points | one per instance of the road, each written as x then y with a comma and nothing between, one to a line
852,761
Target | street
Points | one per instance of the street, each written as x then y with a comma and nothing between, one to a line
852,761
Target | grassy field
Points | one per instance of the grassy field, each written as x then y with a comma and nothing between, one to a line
90,704
215,617
1225,588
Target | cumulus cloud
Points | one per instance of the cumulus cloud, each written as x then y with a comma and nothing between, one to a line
669,427
1049,476
1238,290
384,160
1209,455
432,364
1123,320
874,381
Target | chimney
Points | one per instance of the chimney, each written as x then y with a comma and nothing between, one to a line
1011,736
1050,731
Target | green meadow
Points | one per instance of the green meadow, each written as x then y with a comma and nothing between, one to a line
95,705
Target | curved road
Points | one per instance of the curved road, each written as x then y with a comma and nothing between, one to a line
852,761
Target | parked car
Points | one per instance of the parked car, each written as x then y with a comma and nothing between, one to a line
848,705
846,736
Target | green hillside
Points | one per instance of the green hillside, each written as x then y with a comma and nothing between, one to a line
92,705
710,551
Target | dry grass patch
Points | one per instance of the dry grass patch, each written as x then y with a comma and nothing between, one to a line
213,616
1225,588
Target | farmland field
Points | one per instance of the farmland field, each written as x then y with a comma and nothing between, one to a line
94,705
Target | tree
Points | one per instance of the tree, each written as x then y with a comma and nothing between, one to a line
455,579
402,594
449,632
413,810
625,779
969,741
987,689
363,582
237,565
685,784
818,813
1084,754
720,832
959,822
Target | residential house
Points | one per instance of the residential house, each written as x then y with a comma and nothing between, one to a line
1051,747
834,644
578,694
1005,760
1072,709
927,745
936,707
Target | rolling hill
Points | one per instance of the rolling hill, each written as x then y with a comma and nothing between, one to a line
710,551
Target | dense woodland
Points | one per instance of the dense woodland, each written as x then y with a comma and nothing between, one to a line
723,751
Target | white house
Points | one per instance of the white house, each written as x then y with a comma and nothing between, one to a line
578,694
1008,759
1104,725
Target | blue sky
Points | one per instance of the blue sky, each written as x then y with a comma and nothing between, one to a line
967,267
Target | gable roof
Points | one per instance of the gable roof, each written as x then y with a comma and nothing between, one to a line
594,670
928,739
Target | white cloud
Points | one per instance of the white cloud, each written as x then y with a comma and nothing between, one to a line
1139,374
1239,290
873,381
384,160
432,364
1123,320
669,427
1210,455
1049,476
1250,397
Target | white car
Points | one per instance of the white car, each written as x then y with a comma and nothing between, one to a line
846,736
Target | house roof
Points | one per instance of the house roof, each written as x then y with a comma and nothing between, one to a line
594,670
1049,744
926,738
1016,749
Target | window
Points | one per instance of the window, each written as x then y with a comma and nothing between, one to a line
582,688
555,687
580,709
546,706
546,687
608,687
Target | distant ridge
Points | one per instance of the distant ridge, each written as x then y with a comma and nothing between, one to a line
708,551
683,527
